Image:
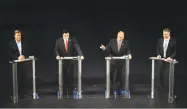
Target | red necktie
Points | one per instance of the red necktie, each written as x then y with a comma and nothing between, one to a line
66,45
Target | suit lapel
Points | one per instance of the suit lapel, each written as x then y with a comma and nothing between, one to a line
69,44
22,47
162,42
16,46
169,43
116,43
63,44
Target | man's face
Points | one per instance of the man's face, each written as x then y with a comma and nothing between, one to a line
17,36
120,36
166,35
66,35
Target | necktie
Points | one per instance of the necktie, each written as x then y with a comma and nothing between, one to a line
165,48
119,45
20,48
66,45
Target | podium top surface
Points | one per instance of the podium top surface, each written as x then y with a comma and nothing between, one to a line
118,58
27,59
70,58
163,59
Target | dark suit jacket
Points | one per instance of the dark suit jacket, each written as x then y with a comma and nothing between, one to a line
171,50
73,47
112,48
14,52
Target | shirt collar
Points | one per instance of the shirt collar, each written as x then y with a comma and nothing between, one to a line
65,38
119,41
18,42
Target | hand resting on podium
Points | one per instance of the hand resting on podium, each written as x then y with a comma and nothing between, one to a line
129,56
21,57
57,57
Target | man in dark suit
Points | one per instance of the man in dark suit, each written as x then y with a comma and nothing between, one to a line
166,48
18,50
67,46
118,47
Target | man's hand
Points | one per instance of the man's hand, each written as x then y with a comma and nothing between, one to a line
21,57
82,57
158,56
58,57
102,47
169,59
130,57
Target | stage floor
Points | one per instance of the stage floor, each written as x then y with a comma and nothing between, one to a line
93,97
96,101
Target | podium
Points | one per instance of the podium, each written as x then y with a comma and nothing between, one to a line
126,60
15,81
171,96
60,66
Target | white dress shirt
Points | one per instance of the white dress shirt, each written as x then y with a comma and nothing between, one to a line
19,47
165,46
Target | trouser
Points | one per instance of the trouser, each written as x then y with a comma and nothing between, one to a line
164,75
68,76
21,77
117,75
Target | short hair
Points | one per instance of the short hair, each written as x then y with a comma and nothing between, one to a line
166,30
17,31
121,32
65,31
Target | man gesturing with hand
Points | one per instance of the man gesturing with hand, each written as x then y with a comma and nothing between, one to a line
118,47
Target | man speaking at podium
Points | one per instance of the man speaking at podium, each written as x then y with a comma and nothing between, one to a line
118,47
18,50
67,46
166,48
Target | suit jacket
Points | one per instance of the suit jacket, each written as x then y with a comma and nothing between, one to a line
112,48
171,49
73,48
14,51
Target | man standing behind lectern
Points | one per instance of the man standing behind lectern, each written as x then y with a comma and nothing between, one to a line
67,46
166,48
118,47
18,50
